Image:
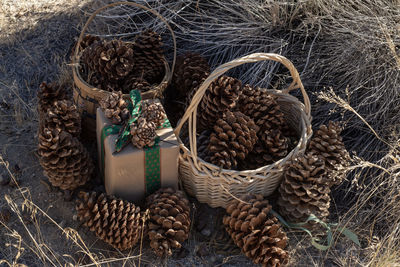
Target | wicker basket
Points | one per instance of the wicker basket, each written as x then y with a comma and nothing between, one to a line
215,186
86,96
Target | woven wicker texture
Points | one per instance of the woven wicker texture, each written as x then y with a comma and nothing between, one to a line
215,186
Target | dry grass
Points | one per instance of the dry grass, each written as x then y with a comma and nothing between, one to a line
346,51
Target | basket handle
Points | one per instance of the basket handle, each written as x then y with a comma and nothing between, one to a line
191,111
75,57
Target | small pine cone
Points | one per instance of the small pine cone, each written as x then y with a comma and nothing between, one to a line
111,59
48,94
305,189
256,231
221,95
143,133
169,221
233,138
132,82
64,159
115,221
190,71
154,112
65,116
148,54
327,143
115,107
275,143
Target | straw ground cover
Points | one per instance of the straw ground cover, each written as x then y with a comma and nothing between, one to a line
347,53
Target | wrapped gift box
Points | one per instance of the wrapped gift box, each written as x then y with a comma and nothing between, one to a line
134,173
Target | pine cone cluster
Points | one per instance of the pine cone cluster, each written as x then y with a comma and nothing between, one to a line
258,233
305,189
115,107
116,65
115,221
169,221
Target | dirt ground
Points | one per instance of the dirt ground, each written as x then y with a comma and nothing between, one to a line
35,41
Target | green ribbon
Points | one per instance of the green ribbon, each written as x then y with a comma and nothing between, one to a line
152,154
328,226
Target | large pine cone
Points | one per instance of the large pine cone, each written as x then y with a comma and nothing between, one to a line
115,107
64,115
233,138
221,95
275,144
143,133
148,54
305,189
256,231
112,59
169,221
115,221
154,112
190,71
48,94
64,159
327,142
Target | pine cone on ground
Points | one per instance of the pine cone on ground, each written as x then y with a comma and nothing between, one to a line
132,82
256,231
305,189
64,159
112,59
169,220
233,138
327,143
65,116
190,71
115,107
154,112
221,95
275,144
143,133
148,54
115,221
48,94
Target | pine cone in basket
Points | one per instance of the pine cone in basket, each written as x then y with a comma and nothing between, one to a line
169,220
257,158
149,56
233,138
88,40
203,141
190,71
221,95
64,159
276,145
115,107
65,116
48,94
154,112
115,221
143,133
256,231
327,142
112,59
305,189
132,82
102,82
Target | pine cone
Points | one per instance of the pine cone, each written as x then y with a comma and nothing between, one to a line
103,82
88,40
64,159
154,112
143,133
257,158
233,138
117,222
112,59
256,231
132,82
327,143
221,95
169,220
115,107
148,54
48,94
65,116
305,189
275,144
190,71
